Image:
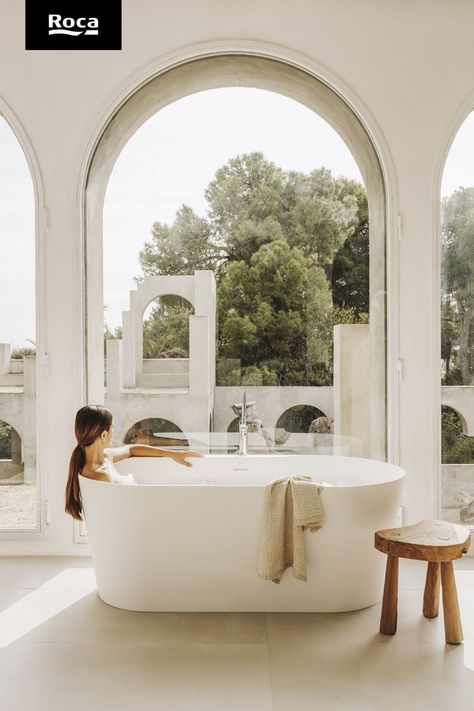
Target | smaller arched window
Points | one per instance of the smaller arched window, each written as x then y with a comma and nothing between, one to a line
299,418
11,454
234,425
156,431
166,327
456,446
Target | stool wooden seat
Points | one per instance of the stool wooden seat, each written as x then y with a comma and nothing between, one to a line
439,543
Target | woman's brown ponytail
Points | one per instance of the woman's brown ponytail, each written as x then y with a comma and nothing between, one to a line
73,491
91,421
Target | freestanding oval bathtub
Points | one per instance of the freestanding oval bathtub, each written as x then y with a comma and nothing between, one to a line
187,539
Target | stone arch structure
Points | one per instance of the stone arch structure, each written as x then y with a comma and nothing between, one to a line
16,448
227,69
11,414
199,291
270,400
462,419
317,413
233,425
185,386
460,398
182,299
173,427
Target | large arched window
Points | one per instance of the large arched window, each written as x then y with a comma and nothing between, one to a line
278,244
457,329
18,490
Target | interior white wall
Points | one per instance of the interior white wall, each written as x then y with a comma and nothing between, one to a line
406,67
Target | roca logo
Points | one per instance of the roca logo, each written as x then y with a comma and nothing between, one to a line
78,25
69,26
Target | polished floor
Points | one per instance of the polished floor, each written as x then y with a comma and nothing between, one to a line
61,647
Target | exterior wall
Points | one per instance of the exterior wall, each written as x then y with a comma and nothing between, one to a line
354,391
270,402
457,487
58,102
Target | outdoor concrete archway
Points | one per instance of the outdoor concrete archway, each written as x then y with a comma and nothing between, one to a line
299,416
167,293
234,425
448,409
14,442
183,303
144,430
11,452
253,71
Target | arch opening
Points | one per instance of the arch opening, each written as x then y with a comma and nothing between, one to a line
166,327
300,418
156,431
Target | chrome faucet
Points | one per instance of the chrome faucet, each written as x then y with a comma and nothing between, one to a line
243,427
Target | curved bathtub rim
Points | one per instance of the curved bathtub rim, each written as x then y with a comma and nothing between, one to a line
393,467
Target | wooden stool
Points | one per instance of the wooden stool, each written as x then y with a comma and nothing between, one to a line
439,543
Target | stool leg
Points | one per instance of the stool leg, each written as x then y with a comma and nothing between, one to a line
388,619
431,596
452,619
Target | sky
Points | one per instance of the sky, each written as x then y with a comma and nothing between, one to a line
173,157
170,161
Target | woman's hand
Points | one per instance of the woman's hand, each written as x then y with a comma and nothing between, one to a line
180,457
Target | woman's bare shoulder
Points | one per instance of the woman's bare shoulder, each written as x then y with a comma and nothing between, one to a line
98,474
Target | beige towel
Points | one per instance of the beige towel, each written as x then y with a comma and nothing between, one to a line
291,505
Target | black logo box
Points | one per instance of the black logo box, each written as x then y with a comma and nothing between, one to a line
109,24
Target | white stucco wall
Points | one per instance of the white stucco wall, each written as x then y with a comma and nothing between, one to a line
406,68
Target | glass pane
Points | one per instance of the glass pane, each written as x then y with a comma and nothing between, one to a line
237,263
457,332
17,338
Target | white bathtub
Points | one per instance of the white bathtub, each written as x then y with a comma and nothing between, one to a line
187,539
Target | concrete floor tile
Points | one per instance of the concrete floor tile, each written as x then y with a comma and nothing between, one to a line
79,615
62,647
48,571
122,677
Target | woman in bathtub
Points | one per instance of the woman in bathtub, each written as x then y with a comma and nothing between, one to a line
94,458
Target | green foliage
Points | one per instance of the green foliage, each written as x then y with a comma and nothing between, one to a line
228,371
349,315
457,302
273,309
350,273
18,353
180,249
5,440
456,447
247,191
166,331
271,237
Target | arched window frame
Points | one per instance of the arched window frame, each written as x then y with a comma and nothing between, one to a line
42,363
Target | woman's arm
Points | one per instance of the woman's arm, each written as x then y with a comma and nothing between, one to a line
145,450
149,450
